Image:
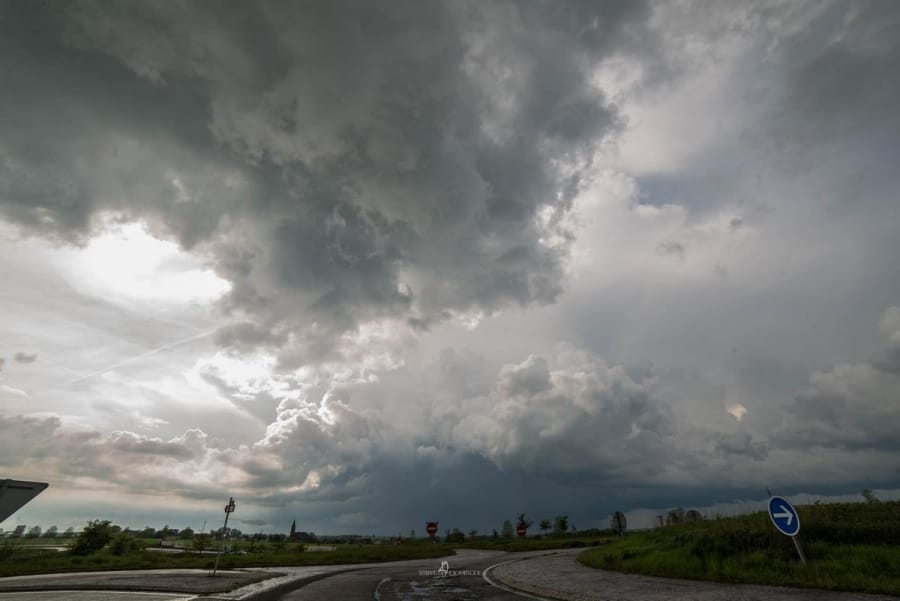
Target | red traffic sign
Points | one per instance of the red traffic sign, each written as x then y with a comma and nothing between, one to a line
431,528
521,531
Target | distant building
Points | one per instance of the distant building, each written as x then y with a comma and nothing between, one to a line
19,531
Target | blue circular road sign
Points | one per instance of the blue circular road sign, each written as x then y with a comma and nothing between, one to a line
784,516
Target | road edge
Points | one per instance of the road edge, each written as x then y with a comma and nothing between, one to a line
521,588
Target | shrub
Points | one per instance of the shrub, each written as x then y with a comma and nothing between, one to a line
123,544
94,537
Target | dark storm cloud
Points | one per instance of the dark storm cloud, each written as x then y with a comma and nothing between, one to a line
337,162
25,357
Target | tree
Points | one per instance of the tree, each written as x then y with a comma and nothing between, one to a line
51,532
93,538
507,529
473,533
69,533
186,533
123,543
560,524
675,516
148,532
870,497
495,534
412,534
545,525
34,532
523,522
201,541
692,515
455,536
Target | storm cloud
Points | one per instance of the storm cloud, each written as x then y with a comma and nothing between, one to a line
366,162
367,264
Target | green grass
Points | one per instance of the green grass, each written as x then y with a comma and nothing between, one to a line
529,543
21,560
849,547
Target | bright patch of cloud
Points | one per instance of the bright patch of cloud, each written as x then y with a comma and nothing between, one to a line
126,263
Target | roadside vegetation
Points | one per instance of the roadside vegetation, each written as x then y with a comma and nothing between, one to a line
98,548
848,546
101,545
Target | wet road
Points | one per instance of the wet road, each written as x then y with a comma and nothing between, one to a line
420,580
91,596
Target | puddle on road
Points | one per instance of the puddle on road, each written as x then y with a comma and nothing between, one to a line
431,589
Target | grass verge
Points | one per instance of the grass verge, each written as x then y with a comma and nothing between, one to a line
849,547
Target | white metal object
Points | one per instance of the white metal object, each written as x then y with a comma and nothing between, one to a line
229,509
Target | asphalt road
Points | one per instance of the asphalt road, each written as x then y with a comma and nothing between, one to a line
91,596
419,580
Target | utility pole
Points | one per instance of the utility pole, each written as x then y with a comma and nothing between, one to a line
229,509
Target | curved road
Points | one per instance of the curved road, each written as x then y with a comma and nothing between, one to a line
538,575
417,580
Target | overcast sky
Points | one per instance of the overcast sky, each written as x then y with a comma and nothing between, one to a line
367,264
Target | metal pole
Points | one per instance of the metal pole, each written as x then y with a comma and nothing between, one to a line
799,549
228,509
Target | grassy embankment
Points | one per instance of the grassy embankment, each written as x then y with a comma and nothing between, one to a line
849,547
20,559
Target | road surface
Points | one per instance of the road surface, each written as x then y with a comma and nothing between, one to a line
417,580
549,575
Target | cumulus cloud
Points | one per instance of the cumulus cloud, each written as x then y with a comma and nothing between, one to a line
68,455
851,406
579,416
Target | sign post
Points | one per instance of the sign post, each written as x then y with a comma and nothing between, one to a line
618,523
229,509
786,521
521,530
431,528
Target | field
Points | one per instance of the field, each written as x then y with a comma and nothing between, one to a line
849,546
26,559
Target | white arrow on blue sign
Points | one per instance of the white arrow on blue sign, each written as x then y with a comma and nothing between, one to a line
784,516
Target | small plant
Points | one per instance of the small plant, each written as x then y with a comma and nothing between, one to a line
201,541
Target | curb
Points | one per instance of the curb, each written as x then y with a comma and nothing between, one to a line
524,589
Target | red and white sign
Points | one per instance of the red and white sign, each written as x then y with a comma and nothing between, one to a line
431,528
521,531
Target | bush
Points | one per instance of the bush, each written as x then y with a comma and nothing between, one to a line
94,537
123,544
8,548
